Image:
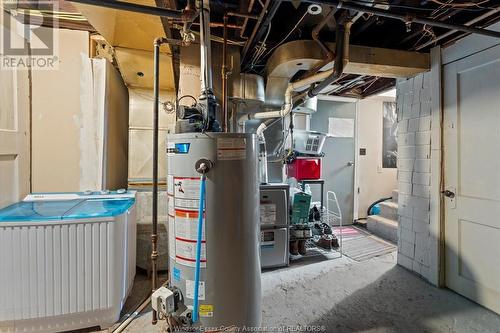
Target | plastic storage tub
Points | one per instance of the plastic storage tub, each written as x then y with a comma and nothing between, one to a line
305,168
67,261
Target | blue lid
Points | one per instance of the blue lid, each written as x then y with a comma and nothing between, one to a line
99,208
26,211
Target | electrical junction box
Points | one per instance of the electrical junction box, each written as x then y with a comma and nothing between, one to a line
163,301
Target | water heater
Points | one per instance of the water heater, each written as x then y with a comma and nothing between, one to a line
229,290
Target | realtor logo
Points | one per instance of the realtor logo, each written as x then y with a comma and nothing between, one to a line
29,35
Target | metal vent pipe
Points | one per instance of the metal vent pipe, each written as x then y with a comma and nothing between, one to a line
341,58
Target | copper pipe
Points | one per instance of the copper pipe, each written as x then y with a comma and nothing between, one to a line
221,25
247,16
234,123
224,78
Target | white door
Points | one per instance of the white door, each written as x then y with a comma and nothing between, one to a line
472,176
338,163
14,135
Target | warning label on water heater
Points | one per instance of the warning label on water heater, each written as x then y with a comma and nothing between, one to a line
190,289
185,253
231,149
186,231
185,221
186,225
206,310
187,188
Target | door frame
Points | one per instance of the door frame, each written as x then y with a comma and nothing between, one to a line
355,199
436,211
355,190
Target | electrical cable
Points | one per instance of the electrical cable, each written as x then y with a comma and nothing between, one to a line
288,35
369,210
450,4
462,4
184,96
262,48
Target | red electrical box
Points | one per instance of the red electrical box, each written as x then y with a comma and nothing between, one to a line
304,168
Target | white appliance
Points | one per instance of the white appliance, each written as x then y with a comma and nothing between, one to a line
67,261
274,225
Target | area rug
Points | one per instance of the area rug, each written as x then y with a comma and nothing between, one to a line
360,245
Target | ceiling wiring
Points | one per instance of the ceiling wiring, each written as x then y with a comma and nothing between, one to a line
439,2
462,4
288,35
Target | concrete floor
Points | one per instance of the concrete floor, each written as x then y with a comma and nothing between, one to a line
376,295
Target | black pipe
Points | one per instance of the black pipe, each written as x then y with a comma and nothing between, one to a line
369,210
451,32
407,18
133,7
154,235
329,54
422,20
341,52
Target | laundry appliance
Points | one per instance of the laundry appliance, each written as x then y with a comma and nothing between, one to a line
67,260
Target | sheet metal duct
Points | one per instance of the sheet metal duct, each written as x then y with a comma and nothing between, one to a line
308,107
248,91
298,55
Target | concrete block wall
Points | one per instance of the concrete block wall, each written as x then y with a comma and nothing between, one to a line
416,127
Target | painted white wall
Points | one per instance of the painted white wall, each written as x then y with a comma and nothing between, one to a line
373,181
56,120
141,134
80,121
